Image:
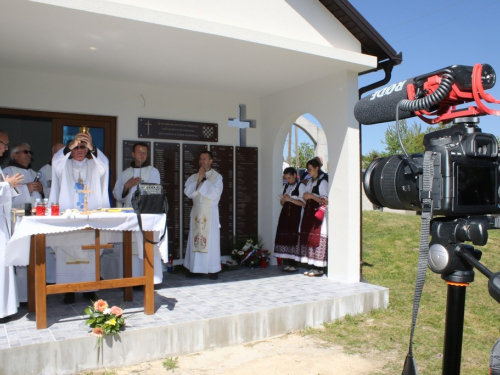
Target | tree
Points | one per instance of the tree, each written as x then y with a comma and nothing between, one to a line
411,136
371,156
306,153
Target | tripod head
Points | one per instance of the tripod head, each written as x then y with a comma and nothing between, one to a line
454,260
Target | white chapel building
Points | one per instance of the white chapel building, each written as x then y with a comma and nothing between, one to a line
110,62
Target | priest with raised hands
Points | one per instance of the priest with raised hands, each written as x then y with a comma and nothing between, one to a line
203,247
78,165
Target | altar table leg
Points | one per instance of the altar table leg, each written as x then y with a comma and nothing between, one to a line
149,297
127,264
40,280
31,278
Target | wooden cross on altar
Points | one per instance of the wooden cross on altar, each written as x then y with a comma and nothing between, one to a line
85,198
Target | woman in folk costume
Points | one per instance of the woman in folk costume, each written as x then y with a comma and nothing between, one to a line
287,233
313,235
8,292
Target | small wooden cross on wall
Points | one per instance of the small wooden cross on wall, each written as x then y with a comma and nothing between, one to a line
85,199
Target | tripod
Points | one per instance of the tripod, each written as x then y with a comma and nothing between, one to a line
455,262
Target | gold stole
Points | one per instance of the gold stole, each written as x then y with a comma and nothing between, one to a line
202,211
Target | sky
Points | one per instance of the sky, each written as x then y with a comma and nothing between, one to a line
433,35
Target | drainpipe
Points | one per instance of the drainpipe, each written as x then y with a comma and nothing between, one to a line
387,66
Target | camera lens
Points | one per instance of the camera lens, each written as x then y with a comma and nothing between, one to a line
389,182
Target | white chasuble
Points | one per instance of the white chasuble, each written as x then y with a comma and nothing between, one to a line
205,206
68,176
202,209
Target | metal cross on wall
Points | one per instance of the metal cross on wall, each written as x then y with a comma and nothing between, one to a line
243,123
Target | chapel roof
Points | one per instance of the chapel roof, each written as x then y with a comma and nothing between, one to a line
372,43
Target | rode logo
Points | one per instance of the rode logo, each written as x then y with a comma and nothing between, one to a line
388,90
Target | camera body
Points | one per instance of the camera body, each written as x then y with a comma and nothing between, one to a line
466,173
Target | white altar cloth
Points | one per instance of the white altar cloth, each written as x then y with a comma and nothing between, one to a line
110,224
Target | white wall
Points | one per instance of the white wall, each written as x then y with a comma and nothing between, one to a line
50,92
327,100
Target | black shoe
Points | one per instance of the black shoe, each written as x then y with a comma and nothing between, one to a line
213,276
69,298
5,320
92,296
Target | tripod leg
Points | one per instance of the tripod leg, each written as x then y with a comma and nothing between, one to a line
454,327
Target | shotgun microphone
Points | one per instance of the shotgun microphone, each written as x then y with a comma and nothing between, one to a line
436,93
380,106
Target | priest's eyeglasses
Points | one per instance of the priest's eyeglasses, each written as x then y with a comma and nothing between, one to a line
5,144
24,151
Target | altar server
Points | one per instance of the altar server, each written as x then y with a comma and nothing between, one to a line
8,292
71,171
139,171
203,247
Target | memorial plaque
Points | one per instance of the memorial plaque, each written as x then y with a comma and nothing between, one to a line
178,130
247,172
127,152
190,165
224,164
167,159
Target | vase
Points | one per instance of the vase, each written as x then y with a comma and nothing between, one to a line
263,262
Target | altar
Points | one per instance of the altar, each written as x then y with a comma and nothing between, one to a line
37,232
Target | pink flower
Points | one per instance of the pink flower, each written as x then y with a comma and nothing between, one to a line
117,311
100,305
98,331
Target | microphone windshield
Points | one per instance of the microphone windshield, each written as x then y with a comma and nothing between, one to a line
380,106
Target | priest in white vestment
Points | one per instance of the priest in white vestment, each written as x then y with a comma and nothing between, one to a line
203,246
139,171
9,301
71,171
20,162
29,192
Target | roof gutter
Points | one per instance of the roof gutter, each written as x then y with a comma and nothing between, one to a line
372,43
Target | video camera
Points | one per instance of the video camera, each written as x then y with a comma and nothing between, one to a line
466,163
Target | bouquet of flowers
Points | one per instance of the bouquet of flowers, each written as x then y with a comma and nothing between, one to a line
251,254
104,320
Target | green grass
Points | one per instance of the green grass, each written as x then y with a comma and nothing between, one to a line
170,363
390,245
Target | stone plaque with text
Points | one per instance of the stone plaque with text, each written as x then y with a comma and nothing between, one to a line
190,165
224,164
178,130
167,159
247,203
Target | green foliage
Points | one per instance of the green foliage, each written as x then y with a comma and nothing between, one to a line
412,137
306,153
390,244
372,155
170,363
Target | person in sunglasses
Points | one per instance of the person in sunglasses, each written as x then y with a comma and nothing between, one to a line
20,162
77,165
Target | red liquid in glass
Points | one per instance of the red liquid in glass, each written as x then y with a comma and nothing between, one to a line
54,210
40,210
